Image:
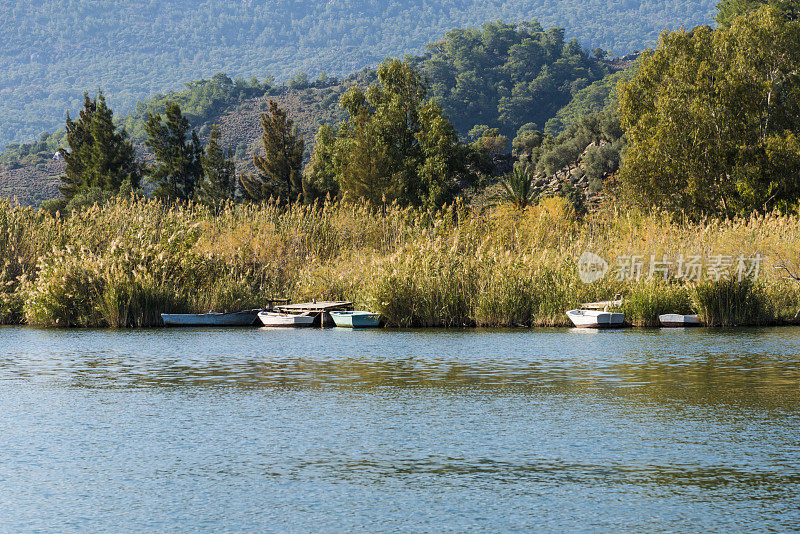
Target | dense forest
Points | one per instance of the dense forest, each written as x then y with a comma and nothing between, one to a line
502,76
55,50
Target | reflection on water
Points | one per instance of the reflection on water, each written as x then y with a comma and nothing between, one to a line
399,430
756,367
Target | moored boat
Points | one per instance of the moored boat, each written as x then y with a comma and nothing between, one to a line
356,319
240,318
596,319
675,320
286,319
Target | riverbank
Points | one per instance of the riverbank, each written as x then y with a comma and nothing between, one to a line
124,263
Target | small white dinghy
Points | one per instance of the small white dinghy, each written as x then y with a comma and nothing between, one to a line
596,319
675,320
286,319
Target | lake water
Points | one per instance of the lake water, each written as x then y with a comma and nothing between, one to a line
421,431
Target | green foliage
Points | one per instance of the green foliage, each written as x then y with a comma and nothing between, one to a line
599,96
134,49
200,101
600,133
178,166
280,169
491,142
712,119
98,156
648,299
507,74
519,188
218,182
731,302
728,10
47,144
601,161
395,143
319,175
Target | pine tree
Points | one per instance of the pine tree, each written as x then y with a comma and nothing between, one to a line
99,156
179,167
279,170
219,172
319,175
395,144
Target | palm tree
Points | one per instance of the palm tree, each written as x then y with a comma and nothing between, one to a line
519,188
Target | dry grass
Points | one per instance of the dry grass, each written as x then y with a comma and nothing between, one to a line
124,263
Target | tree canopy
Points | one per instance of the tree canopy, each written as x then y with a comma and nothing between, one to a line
279,171
178,166
218,182
713,117
99,156
728,10
506,75
395,143
134,49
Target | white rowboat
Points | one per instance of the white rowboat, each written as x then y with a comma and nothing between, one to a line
596,319
286,319
674,320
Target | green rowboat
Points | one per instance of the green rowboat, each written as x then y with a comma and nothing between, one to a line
356,319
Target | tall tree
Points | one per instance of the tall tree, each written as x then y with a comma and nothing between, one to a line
178,166
219,172
99,156
713,119
319,175
280,169
395,143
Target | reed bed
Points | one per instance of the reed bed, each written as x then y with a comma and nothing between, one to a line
123,263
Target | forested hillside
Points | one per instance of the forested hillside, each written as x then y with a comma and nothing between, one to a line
501,76
55,49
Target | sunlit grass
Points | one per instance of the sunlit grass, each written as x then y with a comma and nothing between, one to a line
124,263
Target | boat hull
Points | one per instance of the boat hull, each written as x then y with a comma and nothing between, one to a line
285,320
596,319
242,318
674,320
356,319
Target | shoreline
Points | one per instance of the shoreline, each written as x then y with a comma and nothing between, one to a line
123,263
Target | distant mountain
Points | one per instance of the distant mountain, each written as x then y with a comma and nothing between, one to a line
54,50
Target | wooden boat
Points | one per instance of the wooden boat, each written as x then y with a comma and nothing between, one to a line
596,319
286,319
356,319
675,320
240,318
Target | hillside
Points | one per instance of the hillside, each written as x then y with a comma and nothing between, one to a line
55,49
35,178
503,76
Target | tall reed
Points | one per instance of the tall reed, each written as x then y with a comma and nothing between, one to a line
123,263
732,302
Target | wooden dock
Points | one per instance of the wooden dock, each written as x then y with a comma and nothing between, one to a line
615,303
270,303
320,309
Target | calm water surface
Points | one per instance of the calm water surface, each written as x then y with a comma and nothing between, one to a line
332,430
